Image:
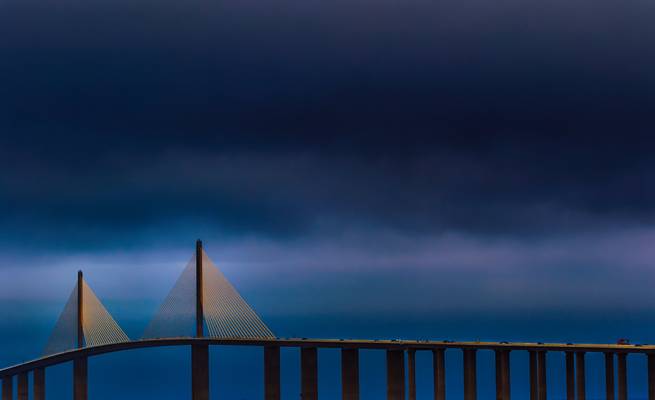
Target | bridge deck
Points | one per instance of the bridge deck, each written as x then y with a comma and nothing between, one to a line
321,343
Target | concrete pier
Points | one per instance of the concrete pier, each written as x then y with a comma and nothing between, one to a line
411,373
580,380
309,373
271,373
23,387
199,372
80,375
534,394
502,375
570,376
38,384
8,388
470,375
541,376
439,370
395,375
609,376
622,372
350,374
651,376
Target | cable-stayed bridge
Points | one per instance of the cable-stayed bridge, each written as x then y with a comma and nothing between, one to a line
203,309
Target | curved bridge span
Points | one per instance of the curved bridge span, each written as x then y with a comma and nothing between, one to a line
391,345
400,356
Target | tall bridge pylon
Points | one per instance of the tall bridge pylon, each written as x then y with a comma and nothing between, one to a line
83,322
203,303
203,298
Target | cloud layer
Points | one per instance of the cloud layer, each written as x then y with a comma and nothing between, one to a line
335,131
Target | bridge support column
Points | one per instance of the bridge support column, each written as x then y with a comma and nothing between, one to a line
502,375
534,394
349,374
271,373
411,373
609,376
541,376
580,376
651,377
80,374
199,372
309,373
570,376
622,376
395,375
38,384
439,370
23,388
470,375
8,388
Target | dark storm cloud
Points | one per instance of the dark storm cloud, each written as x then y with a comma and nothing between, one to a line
284,118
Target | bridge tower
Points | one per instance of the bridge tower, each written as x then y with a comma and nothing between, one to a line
203,305
200,351
80,370
84,322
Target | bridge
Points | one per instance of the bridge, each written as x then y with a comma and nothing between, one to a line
203,309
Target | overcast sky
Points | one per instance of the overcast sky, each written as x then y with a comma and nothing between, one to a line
421,158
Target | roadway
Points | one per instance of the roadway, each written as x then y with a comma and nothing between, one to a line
399,344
